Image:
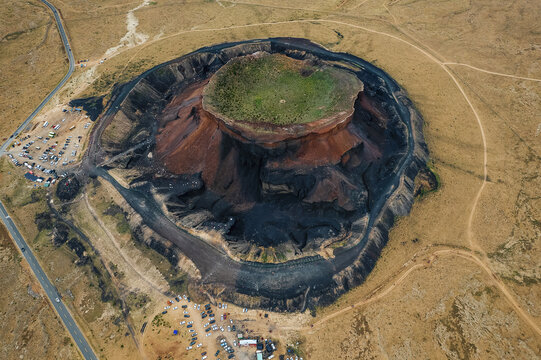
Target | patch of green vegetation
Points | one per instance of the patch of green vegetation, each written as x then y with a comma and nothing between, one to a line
115,211
280,256
159,321
116,273
519,279
34,196
137,300
178,282
122,225
278,90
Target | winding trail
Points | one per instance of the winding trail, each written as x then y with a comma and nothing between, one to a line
492,72
378,293
151,286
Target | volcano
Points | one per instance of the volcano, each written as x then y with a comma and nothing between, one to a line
270,151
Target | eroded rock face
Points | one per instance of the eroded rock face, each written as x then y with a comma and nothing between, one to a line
331,188
295,188
299,188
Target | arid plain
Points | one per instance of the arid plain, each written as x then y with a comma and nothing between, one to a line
460,275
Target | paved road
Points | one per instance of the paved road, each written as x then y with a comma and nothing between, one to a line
49,288
60,84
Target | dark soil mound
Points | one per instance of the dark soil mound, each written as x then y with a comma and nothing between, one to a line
68,188
92,105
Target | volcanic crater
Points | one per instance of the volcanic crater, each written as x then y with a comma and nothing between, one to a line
271,151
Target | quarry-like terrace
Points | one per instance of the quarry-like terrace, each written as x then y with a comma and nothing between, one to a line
288,210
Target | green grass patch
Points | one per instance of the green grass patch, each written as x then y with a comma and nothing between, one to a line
279,90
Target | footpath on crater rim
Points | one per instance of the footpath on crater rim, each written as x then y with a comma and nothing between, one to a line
276,203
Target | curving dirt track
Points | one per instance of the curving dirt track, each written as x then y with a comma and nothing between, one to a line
308,277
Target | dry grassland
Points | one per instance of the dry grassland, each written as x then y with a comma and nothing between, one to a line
30,327
32,60
103,322
460,275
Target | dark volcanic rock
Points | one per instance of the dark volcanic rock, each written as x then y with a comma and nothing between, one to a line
282,186
68,188
343,183
92,105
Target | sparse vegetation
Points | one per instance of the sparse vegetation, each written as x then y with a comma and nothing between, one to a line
122,225
160,321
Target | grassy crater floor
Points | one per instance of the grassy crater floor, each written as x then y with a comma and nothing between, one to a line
280,90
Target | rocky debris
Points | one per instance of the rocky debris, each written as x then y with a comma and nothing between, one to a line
425,182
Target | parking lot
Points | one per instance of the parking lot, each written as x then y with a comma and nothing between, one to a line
51,146
212,332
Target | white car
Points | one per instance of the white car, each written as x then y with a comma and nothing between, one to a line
199,345
176,307
209,333
189,348
182,322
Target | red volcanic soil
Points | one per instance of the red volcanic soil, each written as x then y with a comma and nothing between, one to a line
190,140
280,186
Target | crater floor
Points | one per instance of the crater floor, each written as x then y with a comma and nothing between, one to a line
275,89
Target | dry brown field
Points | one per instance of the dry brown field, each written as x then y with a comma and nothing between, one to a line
460,276
32,60
30,327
